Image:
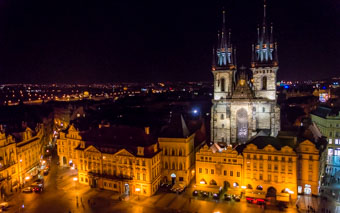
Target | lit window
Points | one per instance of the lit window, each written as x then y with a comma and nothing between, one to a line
330,141
336,141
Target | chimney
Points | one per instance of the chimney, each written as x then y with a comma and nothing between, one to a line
147,130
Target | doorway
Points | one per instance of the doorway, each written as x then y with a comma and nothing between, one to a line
126,189
173,178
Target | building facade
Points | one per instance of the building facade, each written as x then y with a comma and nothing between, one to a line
67,141
328,122
178,153
264,163
118,158
241,106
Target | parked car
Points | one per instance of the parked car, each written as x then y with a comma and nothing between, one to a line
216,196
205,194
45,172
237,198
4,205
227,197
39,181
27,190
37,187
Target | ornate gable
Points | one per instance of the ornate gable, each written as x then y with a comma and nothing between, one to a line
124,152
92,149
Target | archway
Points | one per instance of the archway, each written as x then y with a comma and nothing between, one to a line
249,186
213,182
64,160
242,125
202,181
259,187
271,192
173,178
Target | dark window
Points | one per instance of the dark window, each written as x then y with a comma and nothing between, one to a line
222,84
264,83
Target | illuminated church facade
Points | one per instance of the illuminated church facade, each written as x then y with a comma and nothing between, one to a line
243,107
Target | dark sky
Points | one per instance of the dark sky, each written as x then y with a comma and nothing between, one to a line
108,41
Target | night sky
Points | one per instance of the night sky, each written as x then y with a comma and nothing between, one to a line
76,41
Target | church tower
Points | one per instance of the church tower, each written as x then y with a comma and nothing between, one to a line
264,62
223,64
223,69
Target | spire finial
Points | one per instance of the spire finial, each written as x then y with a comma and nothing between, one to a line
223,14
264,12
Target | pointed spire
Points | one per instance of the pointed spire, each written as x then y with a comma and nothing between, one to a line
264,12
252,53
213,59
276,58
235,62
271,33
229,38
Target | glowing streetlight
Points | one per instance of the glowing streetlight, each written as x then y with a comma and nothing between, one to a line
75,179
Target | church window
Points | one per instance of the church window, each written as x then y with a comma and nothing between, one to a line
222,116
264,83
222,85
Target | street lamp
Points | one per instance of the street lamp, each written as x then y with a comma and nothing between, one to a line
138,191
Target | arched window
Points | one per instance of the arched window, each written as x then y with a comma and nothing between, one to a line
173,152
173,165
222,116
213,182
166,165
165,151
180,152
264,83
180,166
222,84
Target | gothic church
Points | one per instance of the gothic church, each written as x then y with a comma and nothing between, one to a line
244,107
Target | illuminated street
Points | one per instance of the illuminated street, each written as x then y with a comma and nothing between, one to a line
61,191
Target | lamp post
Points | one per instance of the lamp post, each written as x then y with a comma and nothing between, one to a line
138,191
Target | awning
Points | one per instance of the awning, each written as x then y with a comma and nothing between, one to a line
216,189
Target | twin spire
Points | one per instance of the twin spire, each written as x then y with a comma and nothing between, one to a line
223,56
264,51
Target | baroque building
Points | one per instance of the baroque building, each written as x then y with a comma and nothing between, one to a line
118,158
276,166
242,107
